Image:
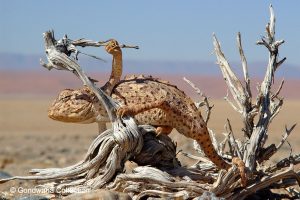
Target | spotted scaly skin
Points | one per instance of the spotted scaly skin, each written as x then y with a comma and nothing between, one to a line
150,101
77,106
161,104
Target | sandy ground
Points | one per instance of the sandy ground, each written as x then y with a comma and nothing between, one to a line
29,139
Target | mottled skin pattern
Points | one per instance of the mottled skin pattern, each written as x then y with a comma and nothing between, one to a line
149,100
77,106
163,105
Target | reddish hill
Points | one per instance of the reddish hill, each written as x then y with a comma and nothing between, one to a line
42,82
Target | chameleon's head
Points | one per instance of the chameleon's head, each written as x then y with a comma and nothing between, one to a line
113,47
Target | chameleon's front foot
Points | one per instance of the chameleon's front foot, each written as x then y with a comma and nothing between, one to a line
134,110
242,168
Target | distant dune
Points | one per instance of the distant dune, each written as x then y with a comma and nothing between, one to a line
42,82
22,75
9,61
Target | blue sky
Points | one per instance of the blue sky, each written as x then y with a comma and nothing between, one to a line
164,30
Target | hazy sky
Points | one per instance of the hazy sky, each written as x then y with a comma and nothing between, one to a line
164,29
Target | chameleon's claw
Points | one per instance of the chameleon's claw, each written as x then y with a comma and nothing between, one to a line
158,131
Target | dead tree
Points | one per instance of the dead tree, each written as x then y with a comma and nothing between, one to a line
264,108
104,162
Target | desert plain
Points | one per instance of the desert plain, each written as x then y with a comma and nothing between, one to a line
29,139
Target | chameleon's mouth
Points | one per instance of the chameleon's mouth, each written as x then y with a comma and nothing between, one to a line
105,43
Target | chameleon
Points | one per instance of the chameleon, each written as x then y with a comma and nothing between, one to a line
150,100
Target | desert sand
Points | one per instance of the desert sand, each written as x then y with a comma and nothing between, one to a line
29,139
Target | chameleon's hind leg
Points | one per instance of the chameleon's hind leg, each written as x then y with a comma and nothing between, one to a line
136,109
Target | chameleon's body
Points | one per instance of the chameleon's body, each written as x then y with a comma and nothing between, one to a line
150,101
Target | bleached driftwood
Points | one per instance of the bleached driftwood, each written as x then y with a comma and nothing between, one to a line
203,102
265,108
267,105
